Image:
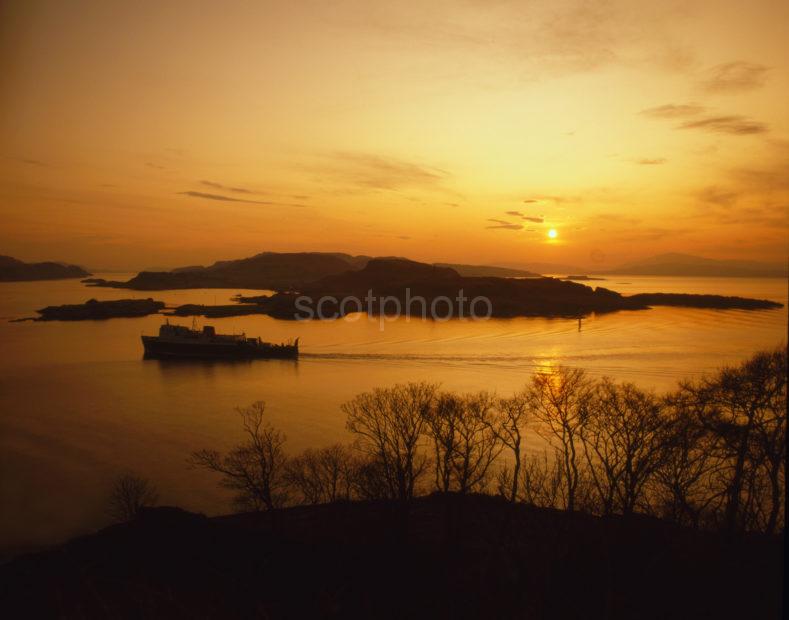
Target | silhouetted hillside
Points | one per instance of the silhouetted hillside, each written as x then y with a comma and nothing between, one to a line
13,270
448,556
271,270
97,310
483,271
403,279
705,301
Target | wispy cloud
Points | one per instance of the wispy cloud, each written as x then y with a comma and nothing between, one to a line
31,162
655,233
227,188
734,77
647,161
673,110
718,196
223,198
734,125
372,171
528,218
617,218
503,225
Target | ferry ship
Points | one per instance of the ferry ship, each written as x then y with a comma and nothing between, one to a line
178,341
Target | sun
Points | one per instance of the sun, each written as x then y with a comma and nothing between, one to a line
552,233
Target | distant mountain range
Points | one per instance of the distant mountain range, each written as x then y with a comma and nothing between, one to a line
336,276
675,264
545,268
13,270
671,264
278,271
484,271
291,270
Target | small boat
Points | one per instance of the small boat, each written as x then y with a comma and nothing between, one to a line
178,341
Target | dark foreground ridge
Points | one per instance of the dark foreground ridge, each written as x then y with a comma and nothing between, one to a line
93,309
448,556
13,270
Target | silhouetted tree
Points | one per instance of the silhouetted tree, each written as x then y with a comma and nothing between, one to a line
683,486
742,410
559,400
254,469
442,421
511,418
368,478
770,434
322,475
389,423
463,429
466,440
623,443
541,480
129,494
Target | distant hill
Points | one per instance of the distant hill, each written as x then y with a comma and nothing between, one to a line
402,280
483,271
545,268
675,264
13,270
274,270
268,270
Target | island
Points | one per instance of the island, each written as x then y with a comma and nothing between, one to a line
295,284
400,284
580,278
14,270
99,310
720,302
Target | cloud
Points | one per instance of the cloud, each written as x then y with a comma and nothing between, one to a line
31,162
501,224
734,125
734,77
154,166
223,198
530,200
718,196
654,234
645,161
528,218
673,110
380,173
238,190
755,197
618,218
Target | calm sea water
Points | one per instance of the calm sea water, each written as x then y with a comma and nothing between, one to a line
79,405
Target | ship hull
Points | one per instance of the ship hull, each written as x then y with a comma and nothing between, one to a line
168,349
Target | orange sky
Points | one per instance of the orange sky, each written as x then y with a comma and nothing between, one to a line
165,133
